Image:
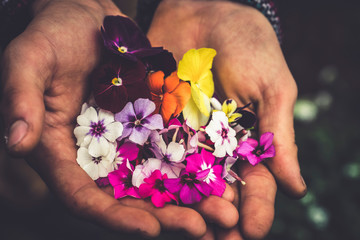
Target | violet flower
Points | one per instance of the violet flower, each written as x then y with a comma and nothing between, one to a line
138,121
122,37
121,180
255,152
154,187
116,83
126,151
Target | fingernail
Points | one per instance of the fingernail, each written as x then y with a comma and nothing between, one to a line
17,132
303,181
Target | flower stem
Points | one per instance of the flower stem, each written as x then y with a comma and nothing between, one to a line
234,175
205,146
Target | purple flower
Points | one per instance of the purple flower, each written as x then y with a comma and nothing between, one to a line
126,151
255,152
154,187
122,37
138,121
121,180
116,83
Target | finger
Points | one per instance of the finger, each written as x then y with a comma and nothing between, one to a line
257,199
210,234
25,68
54,159
228,234
276,115
172,218
219,210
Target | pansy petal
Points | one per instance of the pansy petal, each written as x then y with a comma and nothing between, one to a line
199,100
171,82
194,118
182,93
206,83
155,82
168,107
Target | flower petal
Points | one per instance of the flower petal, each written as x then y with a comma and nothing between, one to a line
139,135
266,139
113,131
155,82
154,122
80,133
98,147
127,114
176,151
143,107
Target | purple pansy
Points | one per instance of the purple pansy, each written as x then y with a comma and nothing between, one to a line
154,186
122,37
138,121
255,152
116,83
121,180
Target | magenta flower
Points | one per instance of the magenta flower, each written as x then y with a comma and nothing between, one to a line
205,161
154,187
255,152
190,186
126,151
121,180
138,121
116,83
122,37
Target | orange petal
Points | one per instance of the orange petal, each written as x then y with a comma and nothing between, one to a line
182,93
168,107
157,100
171,82
155,82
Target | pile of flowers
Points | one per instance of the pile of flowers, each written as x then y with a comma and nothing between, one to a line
155,130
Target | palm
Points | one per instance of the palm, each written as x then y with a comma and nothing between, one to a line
250,68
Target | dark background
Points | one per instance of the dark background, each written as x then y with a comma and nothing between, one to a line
321,46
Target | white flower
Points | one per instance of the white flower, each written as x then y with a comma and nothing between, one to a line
98,166
221,134
97,131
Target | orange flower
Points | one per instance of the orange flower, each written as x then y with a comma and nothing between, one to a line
170,95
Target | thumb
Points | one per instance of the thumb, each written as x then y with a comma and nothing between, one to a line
276,115
24,71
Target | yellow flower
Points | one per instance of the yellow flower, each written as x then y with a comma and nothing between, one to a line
229,107
195,66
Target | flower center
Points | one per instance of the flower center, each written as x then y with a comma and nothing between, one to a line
137,122
189,179
96,160
258,151
128,181
122,49
97,129
117,81
159,185
224,133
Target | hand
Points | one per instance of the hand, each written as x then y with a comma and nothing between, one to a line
249,67
44,79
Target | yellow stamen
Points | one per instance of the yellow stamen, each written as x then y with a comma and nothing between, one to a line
117,81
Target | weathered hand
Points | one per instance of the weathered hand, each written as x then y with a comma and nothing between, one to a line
44,79
250,68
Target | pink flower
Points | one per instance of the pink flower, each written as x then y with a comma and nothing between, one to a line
255,152
126,150
121,180
205,161
154,187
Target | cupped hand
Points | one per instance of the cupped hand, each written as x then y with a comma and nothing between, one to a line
250,68
44,81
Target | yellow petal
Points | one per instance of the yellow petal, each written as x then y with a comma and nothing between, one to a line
194,118
195,64
234,116
229,107
198,98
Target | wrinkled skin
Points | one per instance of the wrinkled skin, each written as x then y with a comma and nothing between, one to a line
44,80
249,67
